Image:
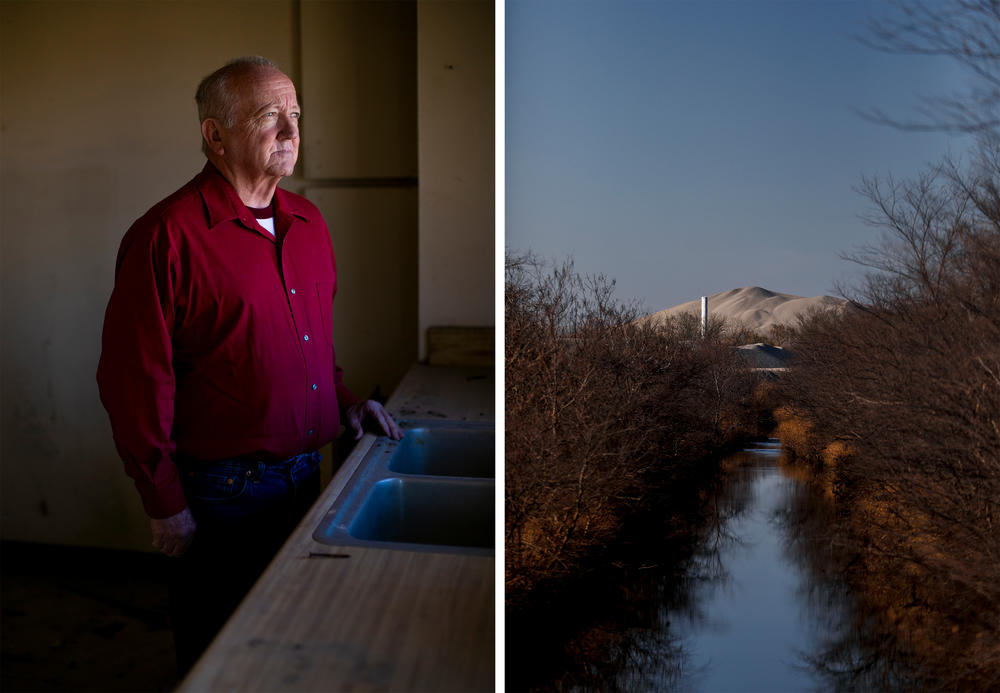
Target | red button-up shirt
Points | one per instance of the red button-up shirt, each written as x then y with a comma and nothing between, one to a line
218,337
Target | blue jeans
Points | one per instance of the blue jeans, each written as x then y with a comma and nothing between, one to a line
244,511
234,492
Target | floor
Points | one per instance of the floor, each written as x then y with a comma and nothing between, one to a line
83,620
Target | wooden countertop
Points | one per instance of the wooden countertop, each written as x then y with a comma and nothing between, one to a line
329,618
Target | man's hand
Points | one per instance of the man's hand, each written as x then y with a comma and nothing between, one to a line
173,535
357,412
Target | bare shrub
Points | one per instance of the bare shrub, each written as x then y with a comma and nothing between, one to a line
906,386
781,335
687,327
597,406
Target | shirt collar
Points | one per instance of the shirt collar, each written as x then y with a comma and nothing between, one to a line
223,204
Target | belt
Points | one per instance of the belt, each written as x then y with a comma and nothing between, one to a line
298,465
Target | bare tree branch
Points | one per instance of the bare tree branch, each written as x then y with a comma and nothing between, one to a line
965,31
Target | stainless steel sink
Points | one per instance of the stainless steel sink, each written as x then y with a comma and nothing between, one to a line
432,491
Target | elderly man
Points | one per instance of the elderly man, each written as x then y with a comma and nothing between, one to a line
218,368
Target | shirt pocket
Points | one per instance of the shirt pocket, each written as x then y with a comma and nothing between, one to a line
324,294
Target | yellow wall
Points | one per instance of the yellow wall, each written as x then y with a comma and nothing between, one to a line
359,163
456,95
99,123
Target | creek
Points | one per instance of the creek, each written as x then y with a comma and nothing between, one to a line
762,605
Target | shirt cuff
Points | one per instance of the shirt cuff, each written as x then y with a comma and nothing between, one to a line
161,503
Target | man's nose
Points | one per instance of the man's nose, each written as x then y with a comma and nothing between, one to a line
288,127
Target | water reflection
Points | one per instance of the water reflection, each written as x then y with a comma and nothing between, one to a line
849,651
762,606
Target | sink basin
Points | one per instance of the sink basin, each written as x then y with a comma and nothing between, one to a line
445,451
431,491
427,512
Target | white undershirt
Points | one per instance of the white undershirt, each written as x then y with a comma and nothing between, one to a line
268,224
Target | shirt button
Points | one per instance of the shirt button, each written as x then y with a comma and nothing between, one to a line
305,337
315,386
293,291
310,431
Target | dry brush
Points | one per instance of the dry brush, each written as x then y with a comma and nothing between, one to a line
602,412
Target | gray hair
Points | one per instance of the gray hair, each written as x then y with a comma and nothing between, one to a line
216,97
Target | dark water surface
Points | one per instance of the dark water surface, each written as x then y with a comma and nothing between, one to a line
763,607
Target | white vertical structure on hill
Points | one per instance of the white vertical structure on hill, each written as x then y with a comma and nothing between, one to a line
704,316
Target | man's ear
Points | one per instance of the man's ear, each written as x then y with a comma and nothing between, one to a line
212,134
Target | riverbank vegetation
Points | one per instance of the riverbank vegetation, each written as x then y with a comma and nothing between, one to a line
896,405
606,418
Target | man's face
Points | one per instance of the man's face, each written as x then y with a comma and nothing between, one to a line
264,140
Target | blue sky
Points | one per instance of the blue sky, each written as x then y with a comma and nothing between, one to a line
688,148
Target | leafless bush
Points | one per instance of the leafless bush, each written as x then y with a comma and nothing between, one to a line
687,327
597,405
908,380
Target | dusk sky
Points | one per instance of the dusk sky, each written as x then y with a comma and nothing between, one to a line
688,148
